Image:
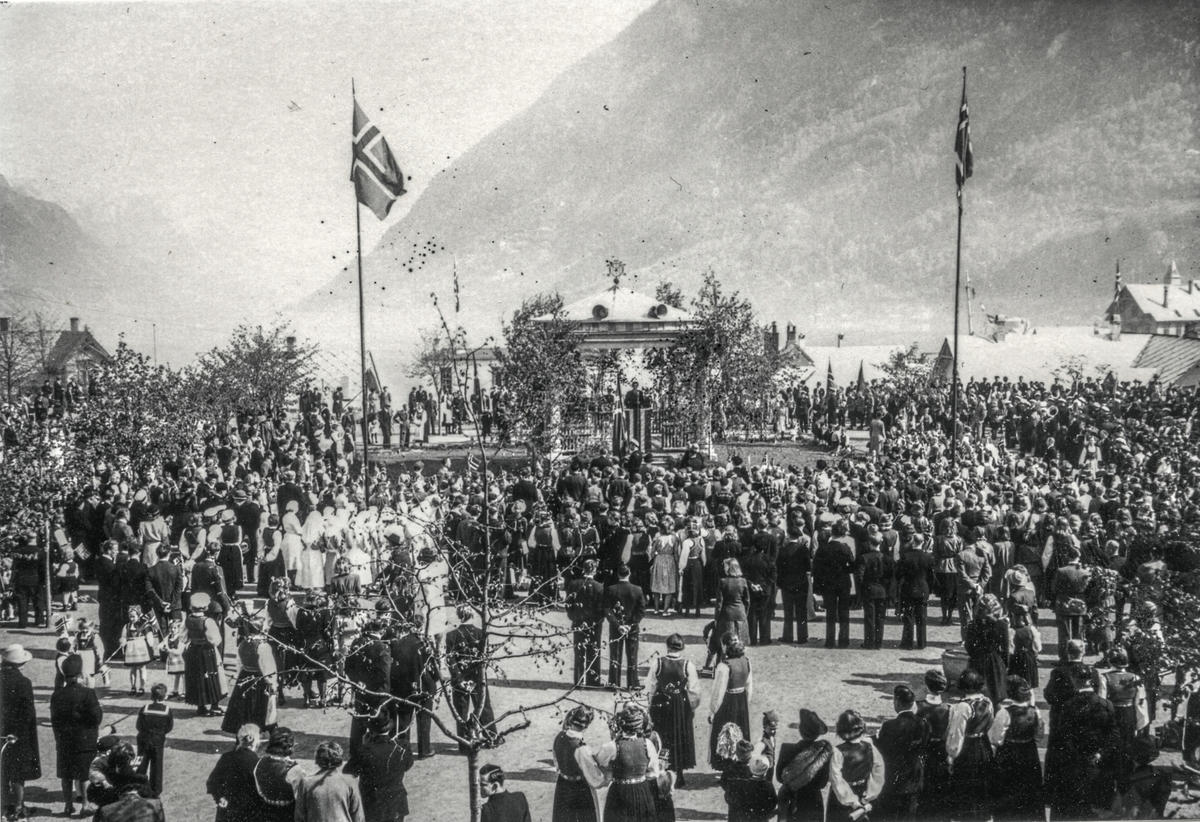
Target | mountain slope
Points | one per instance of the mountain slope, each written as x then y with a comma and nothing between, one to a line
804,152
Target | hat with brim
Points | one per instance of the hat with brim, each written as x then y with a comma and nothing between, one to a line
227,515
200,601
15,655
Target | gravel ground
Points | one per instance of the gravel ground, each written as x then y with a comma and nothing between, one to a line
786,679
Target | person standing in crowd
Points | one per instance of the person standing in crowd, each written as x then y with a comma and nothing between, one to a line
154,723
802,769
578,775
856,775
369,666
792,568
108,596
749,793
75,716
29,582
470,697
166,586
1128,696
873,576
946,547
634,762
915,579
673,692
585,609
1019,787
1068,587
624,608
203,679
327,795
732,606
759,569
380,767
972,771
1027,644
231,783
275,777
733,689
903,743
935,794
989,646
415,679
502,804
21,760
833,565
254,696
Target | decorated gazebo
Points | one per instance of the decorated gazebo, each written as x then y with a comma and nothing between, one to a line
614,320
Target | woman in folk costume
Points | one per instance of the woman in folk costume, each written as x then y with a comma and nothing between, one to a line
433,574
972,772
989,644
293,539
1127,693
272,564
254,694
310,574
634,762
673,692
362,545
747,786
693,553
579,777
285,641
1020,793
337,523
733,688
90,648
803,772
1027,644
544,546
855,771
203,679
139,640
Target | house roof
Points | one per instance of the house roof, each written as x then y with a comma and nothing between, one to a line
72,343
1039,353
621,305
1171,357
1183,305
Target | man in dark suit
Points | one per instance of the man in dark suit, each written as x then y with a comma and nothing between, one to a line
466,651
414,679
289,491
872,573
380,768
624,607
792,567
108,595
902,741
914,576
29,582
166,581
1067,589
585,608
369,664
832,565
759,571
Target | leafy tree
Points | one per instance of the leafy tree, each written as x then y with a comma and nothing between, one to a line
907,371
716,376
542,369
257,370
432,358
20,359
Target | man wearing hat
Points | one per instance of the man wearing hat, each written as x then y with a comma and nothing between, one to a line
75,716
21,761
802,769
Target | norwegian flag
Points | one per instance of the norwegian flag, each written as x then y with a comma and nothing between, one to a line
962,142
377,179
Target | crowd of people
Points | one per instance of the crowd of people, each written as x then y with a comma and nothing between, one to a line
261,537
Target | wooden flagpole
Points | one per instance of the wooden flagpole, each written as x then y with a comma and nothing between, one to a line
362,346
954,431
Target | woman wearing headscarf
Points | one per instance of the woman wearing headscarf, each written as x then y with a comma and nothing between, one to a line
633,760
673,692
203,679
972,776
733,688
989,645
579,777
1020,794
855,771
75,716
254,693
310,573
433,574
803,772
293,539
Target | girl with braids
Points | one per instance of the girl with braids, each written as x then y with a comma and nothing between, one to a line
579,777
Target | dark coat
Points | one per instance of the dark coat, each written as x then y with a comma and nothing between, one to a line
22,760
902,740
380,766
371,664
132,807
585,601
233,779
872,573
793,565
914,574
413,671
465,650
624,603
75,716
831,568
166,580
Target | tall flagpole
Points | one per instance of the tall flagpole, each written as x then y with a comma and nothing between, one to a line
362,346
954,431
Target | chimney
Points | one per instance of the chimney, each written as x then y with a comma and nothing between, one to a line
771,338
291,343
839,345
74,325
791,333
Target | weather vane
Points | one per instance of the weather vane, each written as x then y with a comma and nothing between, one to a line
616,270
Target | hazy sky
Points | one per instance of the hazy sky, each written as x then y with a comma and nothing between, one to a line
232,120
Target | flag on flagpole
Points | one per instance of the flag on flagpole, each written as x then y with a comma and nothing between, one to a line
377,179
829,377
962,142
